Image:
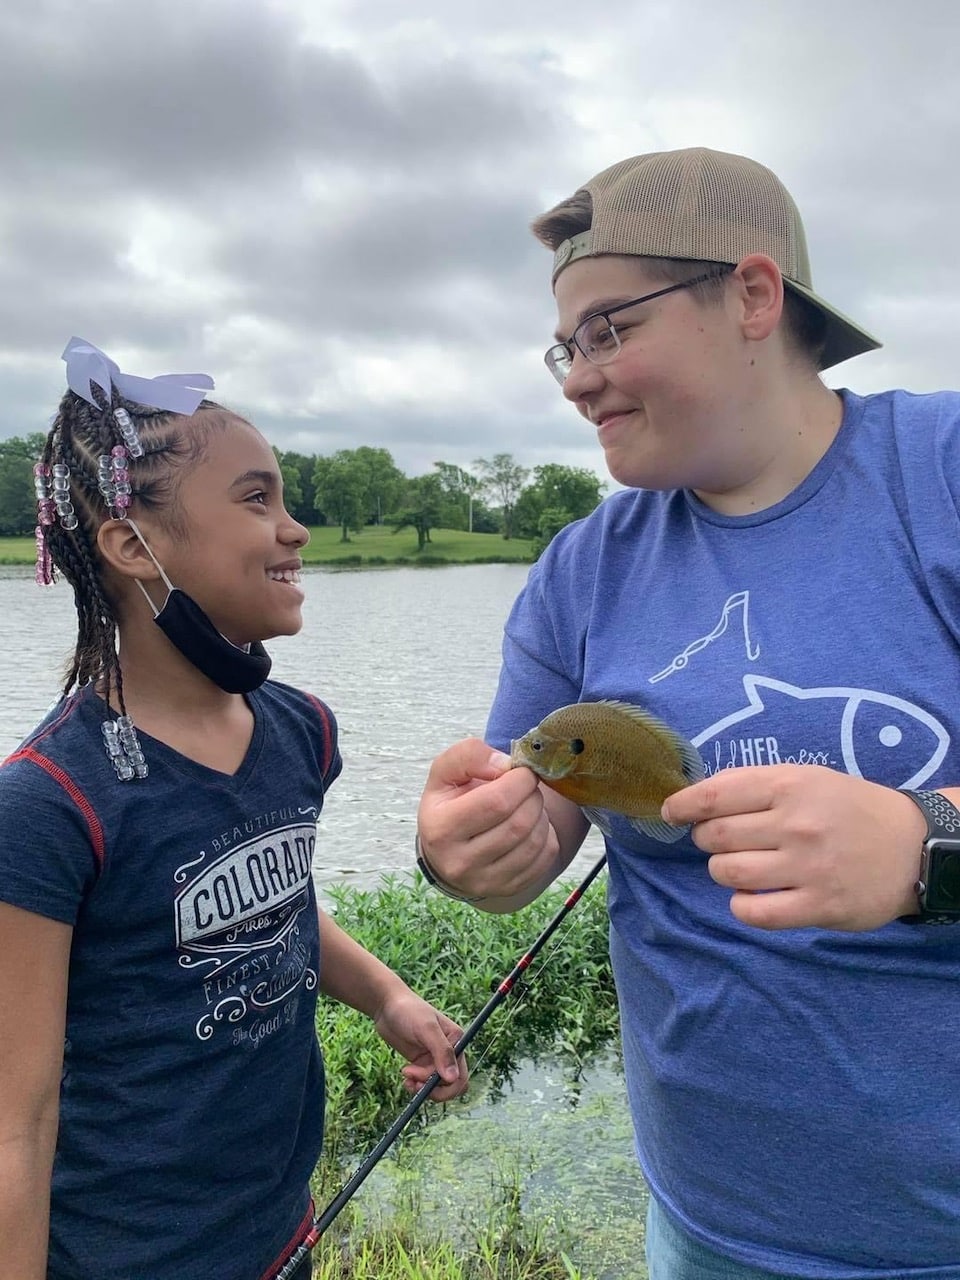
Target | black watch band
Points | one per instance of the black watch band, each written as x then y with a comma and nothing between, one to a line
939,877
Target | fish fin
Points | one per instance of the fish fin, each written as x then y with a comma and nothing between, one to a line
657,829
691,760
599,818
693,768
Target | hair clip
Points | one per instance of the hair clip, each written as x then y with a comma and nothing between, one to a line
129,432
61,496
123,748
88,366
113,480
41,483
44,573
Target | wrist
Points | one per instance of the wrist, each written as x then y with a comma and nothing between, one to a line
937,885
436,881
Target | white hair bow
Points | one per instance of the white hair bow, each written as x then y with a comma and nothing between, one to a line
87,365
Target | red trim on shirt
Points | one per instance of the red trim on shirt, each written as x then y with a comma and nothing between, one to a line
299,1237
73,791
328,737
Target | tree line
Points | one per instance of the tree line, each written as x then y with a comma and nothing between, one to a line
357,487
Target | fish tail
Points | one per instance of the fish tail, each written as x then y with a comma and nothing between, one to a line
657,829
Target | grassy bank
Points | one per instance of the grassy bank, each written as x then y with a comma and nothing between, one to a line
455,956
374,545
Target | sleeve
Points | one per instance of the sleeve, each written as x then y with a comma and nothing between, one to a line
542,652
331,762
928,435
51,849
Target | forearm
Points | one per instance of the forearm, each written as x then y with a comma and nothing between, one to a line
351,974
25,1166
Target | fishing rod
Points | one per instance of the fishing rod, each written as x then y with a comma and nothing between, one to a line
324,1219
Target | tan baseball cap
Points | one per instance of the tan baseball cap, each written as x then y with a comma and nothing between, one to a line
711,206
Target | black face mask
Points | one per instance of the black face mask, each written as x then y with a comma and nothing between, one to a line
188,629
186,626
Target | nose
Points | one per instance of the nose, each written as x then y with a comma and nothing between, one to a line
293,532
584,379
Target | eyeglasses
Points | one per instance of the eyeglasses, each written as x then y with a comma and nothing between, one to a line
596,337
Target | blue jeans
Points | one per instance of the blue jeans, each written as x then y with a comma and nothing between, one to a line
673,1255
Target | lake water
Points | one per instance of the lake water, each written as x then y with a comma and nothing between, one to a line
408,660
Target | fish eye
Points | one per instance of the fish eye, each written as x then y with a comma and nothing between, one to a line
576,746
536,745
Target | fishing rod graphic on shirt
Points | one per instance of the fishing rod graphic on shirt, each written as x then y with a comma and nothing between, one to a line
352,1185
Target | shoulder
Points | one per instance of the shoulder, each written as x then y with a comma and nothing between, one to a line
291,708
919,423
599,543
52,803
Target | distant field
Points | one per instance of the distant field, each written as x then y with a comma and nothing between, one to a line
375,545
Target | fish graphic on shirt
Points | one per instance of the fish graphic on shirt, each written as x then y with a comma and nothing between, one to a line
913,741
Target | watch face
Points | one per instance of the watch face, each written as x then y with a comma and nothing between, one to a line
943,877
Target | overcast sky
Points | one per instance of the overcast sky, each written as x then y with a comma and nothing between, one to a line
325,205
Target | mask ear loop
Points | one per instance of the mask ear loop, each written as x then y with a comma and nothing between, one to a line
157,565
244,648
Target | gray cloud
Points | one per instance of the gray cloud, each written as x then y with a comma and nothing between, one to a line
326,204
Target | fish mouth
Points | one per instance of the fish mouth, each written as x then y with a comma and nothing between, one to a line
519,756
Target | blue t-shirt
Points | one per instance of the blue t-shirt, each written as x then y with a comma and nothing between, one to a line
191,1111
793,1093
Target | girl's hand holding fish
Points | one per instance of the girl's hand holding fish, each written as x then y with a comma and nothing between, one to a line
487,831
803,845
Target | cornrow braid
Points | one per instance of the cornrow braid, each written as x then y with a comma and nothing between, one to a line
80,435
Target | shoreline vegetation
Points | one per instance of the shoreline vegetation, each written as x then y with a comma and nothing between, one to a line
375,546
455,956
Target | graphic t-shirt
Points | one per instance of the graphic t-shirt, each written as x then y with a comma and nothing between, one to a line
191,1112
788,1088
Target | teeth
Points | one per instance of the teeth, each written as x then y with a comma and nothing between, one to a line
285,575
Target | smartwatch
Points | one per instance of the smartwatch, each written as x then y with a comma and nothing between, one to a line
938,885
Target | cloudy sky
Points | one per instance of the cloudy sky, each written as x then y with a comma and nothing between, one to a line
325,204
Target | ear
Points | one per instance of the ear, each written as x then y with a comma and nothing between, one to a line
124,552
761,294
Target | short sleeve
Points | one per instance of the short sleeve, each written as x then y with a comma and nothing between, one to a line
51,846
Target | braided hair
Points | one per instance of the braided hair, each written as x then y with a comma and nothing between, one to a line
80,435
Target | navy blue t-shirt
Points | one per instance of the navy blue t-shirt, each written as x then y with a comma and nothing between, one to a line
191,1113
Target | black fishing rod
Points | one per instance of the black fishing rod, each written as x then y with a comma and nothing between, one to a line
323,1220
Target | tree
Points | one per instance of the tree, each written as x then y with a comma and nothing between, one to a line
505,479
423,502
18,503
567,493
461,490
299,495
340,485
385,482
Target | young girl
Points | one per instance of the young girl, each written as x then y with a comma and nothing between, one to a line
161,1085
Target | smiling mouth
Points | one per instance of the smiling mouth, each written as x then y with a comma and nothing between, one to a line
285,575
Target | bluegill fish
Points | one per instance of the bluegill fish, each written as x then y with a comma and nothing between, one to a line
611,757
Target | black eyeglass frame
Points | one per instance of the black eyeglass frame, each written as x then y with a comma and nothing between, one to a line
552,355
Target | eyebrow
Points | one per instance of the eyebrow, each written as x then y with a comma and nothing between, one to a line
595,308
267,478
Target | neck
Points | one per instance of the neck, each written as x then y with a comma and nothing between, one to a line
786,431
159,680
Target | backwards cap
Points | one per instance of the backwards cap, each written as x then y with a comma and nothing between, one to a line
708,206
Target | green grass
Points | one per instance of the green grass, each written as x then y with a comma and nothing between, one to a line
18,550
455,956
374,545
